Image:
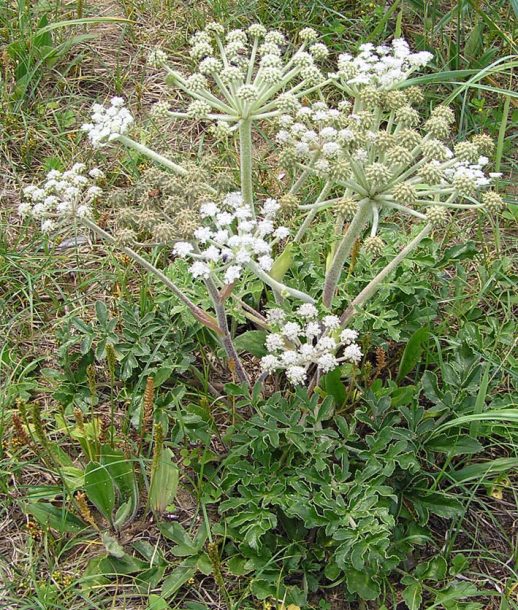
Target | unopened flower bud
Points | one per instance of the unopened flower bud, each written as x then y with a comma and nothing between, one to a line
160,110
435,149
431,173
288,202
492,200
256,29
210,65
247,93
484,142
198,109
287,102
319,51
377,173
438,127
384,140
308,35
288,157
467,151
406,115
409,138
415,95
196,82
373,246
340,170
464,184
220,130
346,207
369,96
437,215
157,58
393,100
444,113
399,155
404,193
215,28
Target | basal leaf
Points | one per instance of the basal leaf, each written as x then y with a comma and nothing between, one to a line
164,482
100,489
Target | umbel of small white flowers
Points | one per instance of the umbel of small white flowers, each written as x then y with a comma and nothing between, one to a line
231,240
304,341
244,74
379,156
62,198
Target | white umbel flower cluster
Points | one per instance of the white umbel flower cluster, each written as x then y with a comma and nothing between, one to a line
245,73
64,196
378,147
305,340
108,123
231,239
383,66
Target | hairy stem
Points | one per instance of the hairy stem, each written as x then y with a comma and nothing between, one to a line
226,337
375,283
279,287
201,315
343,250
309,218
245,157
151,154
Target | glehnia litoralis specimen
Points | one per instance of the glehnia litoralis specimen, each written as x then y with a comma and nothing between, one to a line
375,154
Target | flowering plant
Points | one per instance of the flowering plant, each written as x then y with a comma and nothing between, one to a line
373,155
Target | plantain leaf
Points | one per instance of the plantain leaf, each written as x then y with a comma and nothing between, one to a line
123,475
164,482
59,519
100,489
112,546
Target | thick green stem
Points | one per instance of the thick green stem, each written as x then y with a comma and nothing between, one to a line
375,283
245,156
343,250
202,316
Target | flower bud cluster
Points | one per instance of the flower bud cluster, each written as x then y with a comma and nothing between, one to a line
242,73
63,196
304,340
230,238
161,207
378,146
382,67
108,123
